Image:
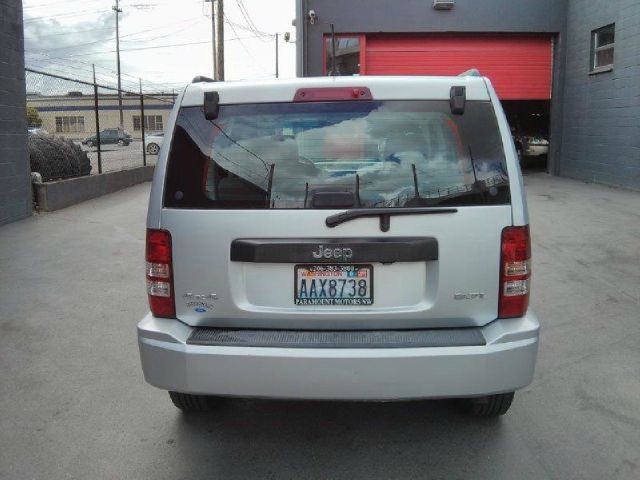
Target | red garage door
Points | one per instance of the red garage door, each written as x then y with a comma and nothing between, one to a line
519,66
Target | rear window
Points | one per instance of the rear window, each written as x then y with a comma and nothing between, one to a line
381,153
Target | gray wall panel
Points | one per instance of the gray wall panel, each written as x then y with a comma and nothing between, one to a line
419,16
601,113
15,182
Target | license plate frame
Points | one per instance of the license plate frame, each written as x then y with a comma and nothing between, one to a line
342,301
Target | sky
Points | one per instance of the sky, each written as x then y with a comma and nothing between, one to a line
66,37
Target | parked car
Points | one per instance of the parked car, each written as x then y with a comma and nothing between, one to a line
341,238
534,146
37,131
153,142
529,145
109,136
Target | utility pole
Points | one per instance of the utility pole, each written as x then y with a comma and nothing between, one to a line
220,40
116,8
144,147
277,54
96,112
213,37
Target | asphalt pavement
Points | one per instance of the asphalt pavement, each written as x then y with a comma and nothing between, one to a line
73,403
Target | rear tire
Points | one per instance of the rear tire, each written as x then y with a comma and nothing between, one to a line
489,406
194,403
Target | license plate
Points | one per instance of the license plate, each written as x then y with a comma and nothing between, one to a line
333,284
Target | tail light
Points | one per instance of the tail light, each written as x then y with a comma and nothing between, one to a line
515,272
160,274
329,94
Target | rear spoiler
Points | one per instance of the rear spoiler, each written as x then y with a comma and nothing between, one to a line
202,78
473,72
457,96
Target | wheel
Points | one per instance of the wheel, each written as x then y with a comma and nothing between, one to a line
153,149
194,403
489,406
121,143
89,144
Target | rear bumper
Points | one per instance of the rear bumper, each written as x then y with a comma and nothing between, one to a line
506,363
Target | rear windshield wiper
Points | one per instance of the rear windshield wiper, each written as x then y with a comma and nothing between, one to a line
384,214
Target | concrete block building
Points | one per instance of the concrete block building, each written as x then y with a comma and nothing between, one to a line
72,115
569,69
15,177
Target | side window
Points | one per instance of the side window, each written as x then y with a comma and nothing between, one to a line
155,122
69,124
151,123
347,59
602,47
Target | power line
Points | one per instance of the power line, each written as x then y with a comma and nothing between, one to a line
158,27
75,65
142,39
247,17
168,3
51,17
68,72
73,82
244,47
247,29
150,48
165,35
75,45
68,58
78,65
154,29
72,32
48,4
70,63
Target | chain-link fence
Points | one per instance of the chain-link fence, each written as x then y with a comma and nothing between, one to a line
82,128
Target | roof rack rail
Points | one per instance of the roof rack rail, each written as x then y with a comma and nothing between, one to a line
473,72
202,78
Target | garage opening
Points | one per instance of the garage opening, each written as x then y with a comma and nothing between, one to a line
529,122
519,66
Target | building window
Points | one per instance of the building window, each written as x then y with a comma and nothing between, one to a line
152,123
347,61
602,45
69,124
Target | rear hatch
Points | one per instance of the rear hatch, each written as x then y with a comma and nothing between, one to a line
350,214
